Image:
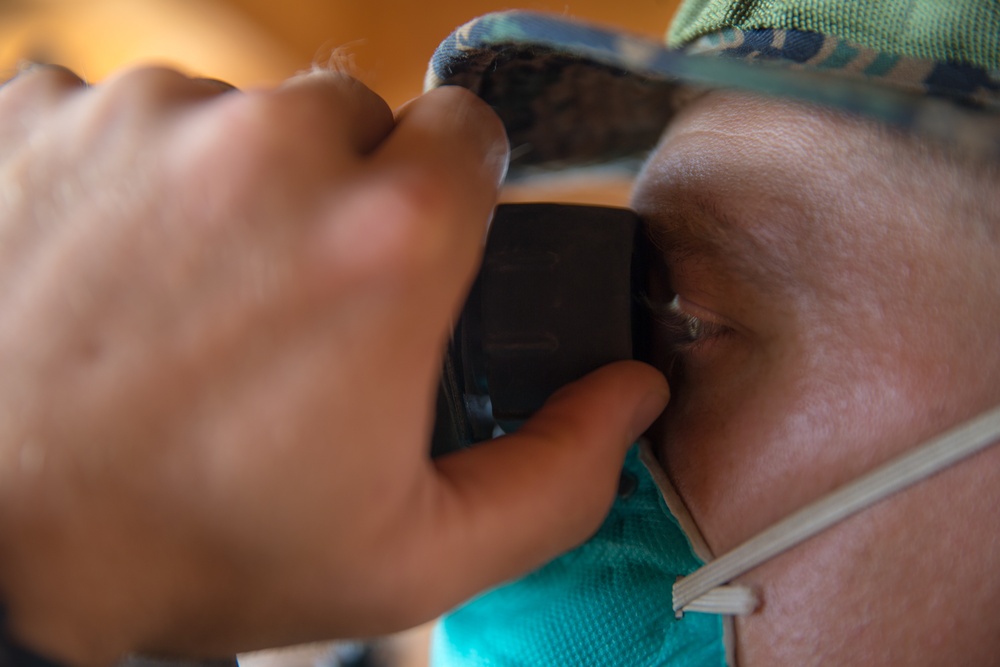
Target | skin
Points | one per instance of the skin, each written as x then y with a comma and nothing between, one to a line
223,321
850,283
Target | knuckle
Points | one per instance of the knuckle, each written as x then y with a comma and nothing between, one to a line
262,110
337,109
251,120
393,231
141,86
133,103
38,85
49,76
247,139
271,128
268,113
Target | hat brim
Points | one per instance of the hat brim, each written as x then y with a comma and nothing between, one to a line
574,95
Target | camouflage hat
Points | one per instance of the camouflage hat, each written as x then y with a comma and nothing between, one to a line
574,95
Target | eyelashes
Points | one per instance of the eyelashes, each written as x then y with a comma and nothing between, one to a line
679,330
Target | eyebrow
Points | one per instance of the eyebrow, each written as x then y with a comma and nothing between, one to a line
683,231
700,228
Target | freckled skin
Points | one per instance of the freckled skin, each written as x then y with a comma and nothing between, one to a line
860,274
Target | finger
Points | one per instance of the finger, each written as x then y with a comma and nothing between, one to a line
336,108
519,501
38,87
308,135
443,165
453,138
148,91
26,67
222,86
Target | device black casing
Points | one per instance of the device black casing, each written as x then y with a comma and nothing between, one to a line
556,297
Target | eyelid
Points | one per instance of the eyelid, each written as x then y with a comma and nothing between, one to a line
690,309
683,330
700,326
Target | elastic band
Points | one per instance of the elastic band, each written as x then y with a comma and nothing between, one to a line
900,473
726,601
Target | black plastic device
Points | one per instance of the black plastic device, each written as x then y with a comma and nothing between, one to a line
559,294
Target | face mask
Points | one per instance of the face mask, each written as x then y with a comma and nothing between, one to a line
605,603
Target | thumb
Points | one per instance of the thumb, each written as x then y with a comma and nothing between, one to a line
527,497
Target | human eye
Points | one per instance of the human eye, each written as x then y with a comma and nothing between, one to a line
680,329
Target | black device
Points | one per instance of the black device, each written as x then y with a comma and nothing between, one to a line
559,294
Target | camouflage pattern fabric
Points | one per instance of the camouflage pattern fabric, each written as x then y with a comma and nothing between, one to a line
953,31
574,95
810,50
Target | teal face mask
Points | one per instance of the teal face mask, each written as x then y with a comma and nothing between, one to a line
608,602
645,590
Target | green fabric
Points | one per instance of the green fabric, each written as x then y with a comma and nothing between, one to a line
962,31
606,603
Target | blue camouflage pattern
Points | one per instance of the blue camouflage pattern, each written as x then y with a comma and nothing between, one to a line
574,95
962,83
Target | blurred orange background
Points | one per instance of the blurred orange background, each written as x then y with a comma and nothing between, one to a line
385,43
254,42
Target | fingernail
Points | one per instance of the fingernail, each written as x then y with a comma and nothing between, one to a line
649,408
224,86
27,66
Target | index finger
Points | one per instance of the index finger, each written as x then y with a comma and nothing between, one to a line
447,155
336,105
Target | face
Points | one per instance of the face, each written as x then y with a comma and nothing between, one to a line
840,286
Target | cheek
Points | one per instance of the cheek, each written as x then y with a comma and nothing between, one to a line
750,437
727,401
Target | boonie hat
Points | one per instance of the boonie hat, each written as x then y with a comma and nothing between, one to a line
574,95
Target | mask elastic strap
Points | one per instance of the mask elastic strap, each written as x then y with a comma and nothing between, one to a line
690,593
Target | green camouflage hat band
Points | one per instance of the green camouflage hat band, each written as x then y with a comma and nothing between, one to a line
936,31
574,95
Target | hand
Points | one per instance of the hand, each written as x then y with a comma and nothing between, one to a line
223,317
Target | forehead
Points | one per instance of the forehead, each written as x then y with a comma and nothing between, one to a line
733,143
765,128
774,182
